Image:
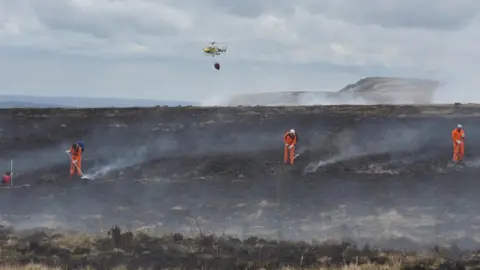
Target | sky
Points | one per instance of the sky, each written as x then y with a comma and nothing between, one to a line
153,48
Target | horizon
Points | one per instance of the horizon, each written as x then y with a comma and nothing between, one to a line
87,97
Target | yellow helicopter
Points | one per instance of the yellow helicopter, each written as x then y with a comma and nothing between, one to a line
214,50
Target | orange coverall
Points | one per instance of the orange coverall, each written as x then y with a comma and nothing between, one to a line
458,148
76,156
290,140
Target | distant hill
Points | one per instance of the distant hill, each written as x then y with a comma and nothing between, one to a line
370,90
18,101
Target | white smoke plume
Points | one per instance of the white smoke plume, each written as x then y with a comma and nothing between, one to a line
393,140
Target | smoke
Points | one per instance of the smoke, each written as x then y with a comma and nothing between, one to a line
28,161
137,156
288,99
459,88
221,100
325,98
368,91
126,146
457,66
121,153
391,140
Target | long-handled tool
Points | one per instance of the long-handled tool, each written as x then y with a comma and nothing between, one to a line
11,172
298,154
76,165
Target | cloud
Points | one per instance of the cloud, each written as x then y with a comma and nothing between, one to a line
428,15
439,36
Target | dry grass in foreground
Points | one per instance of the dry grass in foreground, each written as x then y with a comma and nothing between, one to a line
352,267
368,266
42,250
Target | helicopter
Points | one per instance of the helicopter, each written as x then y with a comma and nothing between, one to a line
214,50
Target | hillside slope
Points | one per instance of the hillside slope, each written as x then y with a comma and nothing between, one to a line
369,173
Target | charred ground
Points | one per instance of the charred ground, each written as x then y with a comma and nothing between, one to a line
234,141
376,174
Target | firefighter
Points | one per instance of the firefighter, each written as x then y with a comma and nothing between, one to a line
76,159
7,178
290,139
458,139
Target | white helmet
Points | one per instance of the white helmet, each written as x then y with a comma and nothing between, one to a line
459,126
292,131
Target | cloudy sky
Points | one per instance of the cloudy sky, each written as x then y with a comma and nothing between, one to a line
152,48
